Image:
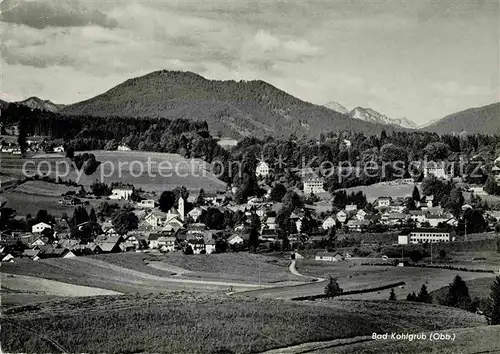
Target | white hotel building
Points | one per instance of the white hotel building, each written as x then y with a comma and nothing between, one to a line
314,186
425,235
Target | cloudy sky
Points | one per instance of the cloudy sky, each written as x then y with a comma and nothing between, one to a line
418,59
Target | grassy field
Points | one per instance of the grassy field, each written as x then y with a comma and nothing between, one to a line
232,266
190,323
132,272
377,190
356,277
25,204
39,286
42,188
150,171
480,288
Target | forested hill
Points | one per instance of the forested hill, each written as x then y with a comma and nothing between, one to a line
231,108
484,120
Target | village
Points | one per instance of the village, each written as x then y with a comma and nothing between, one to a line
206,223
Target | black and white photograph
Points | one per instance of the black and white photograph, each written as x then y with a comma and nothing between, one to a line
250,176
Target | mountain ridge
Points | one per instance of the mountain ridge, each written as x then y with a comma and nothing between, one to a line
235,108
483,119
38,103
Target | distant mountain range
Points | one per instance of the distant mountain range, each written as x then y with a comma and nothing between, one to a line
337,107
371,115
38,103
484,119
235,108
251,108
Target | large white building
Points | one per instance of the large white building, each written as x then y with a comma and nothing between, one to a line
314,186
121,193
438,169
123,147
425,235
262,169
40,227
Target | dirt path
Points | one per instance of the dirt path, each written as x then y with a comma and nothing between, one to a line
168,268
171,279
293,269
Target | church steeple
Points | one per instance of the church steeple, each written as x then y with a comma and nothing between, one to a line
181,208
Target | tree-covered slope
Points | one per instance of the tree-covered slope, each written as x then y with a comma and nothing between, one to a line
484,119
229,107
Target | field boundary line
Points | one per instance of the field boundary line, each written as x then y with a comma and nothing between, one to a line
44,336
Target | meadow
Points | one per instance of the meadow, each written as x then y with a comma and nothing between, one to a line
384,189
134,272
42,188
247,267
192,323
352,276
24,204
480,288
167,171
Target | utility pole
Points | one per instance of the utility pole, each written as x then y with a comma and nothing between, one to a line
431,252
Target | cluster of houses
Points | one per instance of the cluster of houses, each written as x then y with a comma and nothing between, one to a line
170,231
34,144
182,229
392,213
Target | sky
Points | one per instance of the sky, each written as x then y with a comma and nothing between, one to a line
416,59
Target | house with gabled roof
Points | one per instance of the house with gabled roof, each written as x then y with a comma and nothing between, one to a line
39,227
7,258
196,212
329,257
328,223
167,243
361,215
342,216
156,218
235,239
197,245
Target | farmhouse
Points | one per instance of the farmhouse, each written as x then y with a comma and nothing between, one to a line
108,244
235,240
153,240
314,186
195,213
59,148
121,193
210,246
361,215
496,172
435,220
37,228
146,204
166,243
262,169
357,225
123,147
437,169
329,257
341,216
383,202
7,258
329,223
156,218
198,246
425,235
